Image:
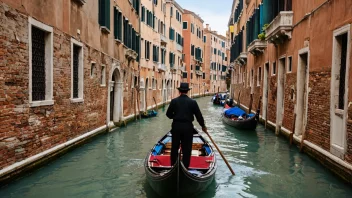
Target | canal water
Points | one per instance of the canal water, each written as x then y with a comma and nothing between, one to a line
111,165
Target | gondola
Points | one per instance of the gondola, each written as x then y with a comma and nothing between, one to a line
149,114
242,120
221,100
167,180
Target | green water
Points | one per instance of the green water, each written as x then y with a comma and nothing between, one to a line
111,165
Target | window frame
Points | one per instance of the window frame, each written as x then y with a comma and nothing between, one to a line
49,52
80,72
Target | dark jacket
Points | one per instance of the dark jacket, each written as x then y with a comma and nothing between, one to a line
183,108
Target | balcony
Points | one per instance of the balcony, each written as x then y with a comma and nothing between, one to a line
130,54
183,68
163,39
173,67
280,28
199,73
161,67
179,47
257,47
242,58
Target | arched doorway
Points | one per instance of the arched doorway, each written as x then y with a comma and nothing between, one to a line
115,97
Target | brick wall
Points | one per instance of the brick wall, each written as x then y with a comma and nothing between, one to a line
289,106
318,126
272,102
26,131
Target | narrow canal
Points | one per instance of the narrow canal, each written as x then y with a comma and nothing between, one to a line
111,165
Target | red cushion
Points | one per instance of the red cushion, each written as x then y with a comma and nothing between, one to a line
197,162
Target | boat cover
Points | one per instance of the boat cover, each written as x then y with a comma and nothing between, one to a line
235,111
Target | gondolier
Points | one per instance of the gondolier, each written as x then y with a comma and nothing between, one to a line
182,110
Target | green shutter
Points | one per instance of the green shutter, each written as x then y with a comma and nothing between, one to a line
115,23
107,14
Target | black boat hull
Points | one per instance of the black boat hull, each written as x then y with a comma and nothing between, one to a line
249,124
187,184
178,181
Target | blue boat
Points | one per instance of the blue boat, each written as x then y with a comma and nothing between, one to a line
238,118
150,113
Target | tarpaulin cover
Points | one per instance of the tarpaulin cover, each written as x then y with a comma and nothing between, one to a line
235,111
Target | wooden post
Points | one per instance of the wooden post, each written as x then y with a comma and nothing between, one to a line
238,99
134,105
304,136
258,108
266,115
138,101
156,105
250,104
294,128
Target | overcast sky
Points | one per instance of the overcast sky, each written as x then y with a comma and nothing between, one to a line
214,12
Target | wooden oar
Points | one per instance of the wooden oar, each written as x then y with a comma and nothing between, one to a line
223,157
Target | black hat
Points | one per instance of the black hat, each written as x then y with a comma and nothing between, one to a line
184,87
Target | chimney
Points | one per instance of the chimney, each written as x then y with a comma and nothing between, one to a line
207,26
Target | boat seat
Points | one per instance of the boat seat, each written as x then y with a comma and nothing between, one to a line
197,162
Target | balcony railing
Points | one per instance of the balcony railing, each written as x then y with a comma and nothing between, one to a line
179,47
163,39
161,67
242,58
280,28
182,68
257,47
199,73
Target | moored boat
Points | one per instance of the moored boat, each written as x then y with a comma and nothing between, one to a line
149,114
238,118
168,180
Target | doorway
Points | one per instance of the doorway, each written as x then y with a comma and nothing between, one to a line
302,91
339,90
116,97
265,90
280,93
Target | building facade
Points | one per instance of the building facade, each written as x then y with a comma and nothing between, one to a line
82,68
193,33
64,75
216,63
299,64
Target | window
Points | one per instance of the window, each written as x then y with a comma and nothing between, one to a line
40,63
103,76
76,71
171,11
147,50
185,25
191,75
143,14
135,4
251,78
192,50
118,24
172,34
104,15
192,28
92,69
204,39
259,77
273,72
289,67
